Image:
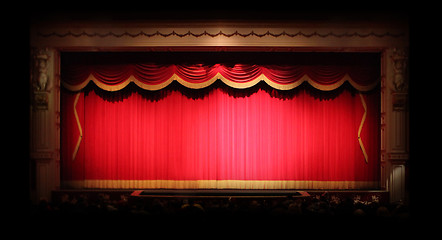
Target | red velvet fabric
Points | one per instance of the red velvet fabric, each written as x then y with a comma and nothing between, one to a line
323,69
219,132
221,135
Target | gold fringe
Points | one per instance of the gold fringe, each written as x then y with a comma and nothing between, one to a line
262,77
220,184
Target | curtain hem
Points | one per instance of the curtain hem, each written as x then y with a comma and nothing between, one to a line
221,184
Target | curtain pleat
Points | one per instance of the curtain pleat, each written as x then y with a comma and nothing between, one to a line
324,72
220,140
220,120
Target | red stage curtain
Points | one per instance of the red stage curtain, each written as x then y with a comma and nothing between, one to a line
219,120
324,72
221,138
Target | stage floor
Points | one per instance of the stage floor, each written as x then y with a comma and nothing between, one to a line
223,193
116,194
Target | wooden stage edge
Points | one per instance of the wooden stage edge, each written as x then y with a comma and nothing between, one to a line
116,194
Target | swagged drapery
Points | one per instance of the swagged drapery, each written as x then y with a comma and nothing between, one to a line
264,130
114,74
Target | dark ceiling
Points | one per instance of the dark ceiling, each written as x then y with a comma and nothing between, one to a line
263,14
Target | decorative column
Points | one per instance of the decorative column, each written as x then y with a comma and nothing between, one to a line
394,123
44,123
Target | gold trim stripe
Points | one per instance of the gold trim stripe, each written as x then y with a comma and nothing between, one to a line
221,184
360,128
240,85
77,146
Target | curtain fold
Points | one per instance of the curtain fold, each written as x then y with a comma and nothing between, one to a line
220,140
326,72
152,73
218,120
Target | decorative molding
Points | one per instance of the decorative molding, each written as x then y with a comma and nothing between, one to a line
145,34
40,80
399,58
220,33
42,155
39,76
398,158
40,100
399,101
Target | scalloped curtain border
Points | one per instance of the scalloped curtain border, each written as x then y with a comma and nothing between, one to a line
262,77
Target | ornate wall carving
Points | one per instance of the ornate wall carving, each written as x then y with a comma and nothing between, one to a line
43,122
40,80
400,80
394,122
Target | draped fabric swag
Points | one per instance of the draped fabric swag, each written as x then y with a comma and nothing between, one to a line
324,71
264,130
